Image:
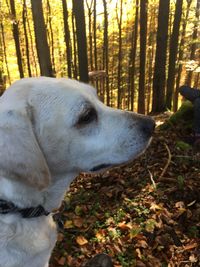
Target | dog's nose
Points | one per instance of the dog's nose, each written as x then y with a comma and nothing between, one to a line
147,125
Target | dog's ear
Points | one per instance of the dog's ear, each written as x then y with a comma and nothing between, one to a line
21,158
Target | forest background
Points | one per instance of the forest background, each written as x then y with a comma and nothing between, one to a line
136,53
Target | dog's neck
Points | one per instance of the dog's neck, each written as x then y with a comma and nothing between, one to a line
25,196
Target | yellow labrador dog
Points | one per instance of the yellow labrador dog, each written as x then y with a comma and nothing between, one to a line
50,131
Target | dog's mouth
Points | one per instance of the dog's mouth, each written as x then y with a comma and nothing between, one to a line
100,167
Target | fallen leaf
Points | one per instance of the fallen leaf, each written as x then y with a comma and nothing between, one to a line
193,259
78,222
68,224
61,261
190,246
81,240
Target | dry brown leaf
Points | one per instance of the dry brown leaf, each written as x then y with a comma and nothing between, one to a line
190,246
61,261
125,226
60,237
142,244
81,240
78,222
155,207
193,259
100,235
68,224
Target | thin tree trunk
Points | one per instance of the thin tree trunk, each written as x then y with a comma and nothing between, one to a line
188,80
16,38
42,46
95,40
24,18
51,37
119,21
90,33
78,9
2,85
5,51
143,39
180,57
67,38
75,68
159,77
132,59
105,49
173,53
33,61
151,49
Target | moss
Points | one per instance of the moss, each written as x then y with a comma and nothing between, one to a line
183,117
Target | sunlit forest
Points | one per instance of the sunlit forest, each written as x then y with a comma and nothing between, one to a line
136,53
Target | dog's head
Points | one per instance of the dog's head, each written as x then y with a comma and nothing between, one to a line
59,126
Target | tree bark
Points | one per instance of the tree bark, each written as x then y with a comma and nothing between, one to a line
180,56
2,86
188,79
173,53
5,51
51,36
119,20
159,77
90,33
16,38
132,59
24,18
105,49
74,66
42,46
78,9
143,39
67,38
95,40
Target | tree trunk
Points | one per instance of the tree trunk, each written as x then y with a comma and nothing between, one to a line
119,20
67,38
42,46
180,57
16,38
32,49
90,33
78,9
159,77
173,53
188,80
5,51
105,49
24,18
2,86
95,40
75,67
132,59
150,55
51,37
143,37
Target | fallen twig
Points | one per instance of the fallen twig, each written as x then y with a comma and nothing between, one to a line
152,180
168,162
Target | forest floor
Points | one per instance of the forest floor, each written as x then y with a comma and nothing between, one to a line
143,214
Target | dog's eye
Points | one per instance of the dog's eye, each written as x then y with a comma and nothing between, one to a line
89,116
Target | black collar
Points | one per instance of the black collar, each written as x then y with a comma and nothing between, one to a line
7,207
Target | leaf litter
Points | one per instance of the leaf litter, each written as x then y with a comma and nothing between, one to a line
145,214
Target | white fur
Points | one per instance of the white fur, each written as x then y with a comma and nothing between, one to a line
43,147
